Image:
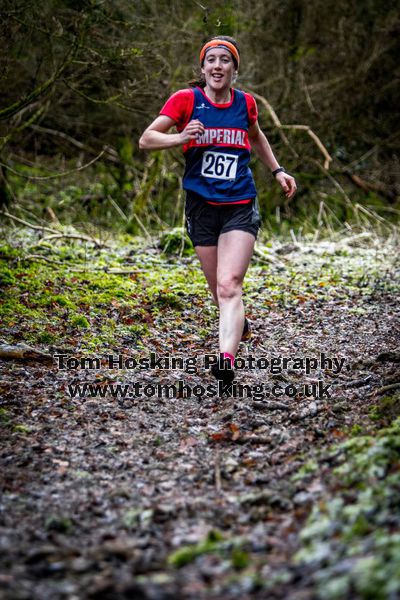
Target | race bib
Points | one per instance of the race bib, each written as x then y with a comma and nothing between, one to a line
219,166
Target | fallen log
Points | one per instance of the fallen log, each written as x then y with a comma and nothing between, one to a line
24,353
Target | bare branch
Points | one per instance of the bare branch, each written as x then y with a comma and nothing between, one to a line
307,128
23,126
333,180
56,175
54,234
315,138
111,154
26,223
41,90
275,120
72,236
110,100
39,257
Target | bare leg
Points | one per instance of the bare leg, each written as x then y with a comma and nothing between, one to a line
208,256
224,267
235,249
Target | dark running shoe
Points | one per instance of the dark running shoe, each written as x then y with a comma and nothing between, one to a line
223,371
246,335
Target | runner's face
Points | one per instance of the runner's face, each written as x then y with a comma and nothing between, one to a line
218,69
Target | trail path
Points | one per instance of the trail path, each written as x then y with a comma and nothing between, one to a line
98,493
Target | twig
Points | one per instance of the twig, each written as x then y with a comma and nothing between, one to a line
333,180
369,213
56,175
354,238
110,271
112,100
44,258
52,215
306,128
367,186
116,271
275,120
26,223
79,269
117,208
386,388
315,138
265,404
23,352
217,471
72,236
267,258
143,227
54,234
307,94
357,383
110,152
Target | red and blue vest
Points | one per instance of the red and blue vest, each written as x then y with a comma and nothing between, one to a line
217,162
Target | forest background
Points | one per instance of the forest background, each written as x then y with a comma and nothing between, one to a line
199,497
81,80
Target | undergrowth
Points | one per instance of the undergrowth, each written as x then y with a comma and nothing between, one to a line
126,291
351,541
150,198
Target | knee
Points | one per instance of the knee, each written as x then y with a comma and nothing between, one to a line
229,287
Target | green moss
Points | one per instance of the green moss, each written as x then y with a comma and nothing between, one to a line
186,555
46,337
308,468
387,409
19,428
79,321
240,559
4,415
57,523
8,252
213,543
63,301
12,309
6,276
356,525
132,518
136,332
176,241
373,413
168,299
44,298
356,429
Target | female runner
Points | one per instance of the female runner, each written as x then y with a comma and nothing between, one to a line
217,126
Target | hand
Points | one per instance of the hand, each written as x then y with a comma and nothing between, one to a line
287,183
192,130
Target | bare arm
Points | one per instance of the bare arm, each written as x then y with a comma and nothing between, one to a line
156,136
261,145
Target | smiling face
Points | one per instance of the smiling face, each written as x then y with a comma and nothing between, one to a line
218,69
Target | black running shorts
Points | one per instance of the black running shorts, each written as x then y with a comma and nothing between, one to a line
205,222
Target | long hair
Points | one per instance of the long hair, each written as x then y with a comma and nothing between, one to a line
199,81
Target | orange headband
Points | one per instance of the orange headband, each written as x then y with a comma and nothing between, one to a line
215,44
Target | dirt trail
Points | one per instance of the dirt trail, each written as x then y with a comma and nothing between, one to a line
99,493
